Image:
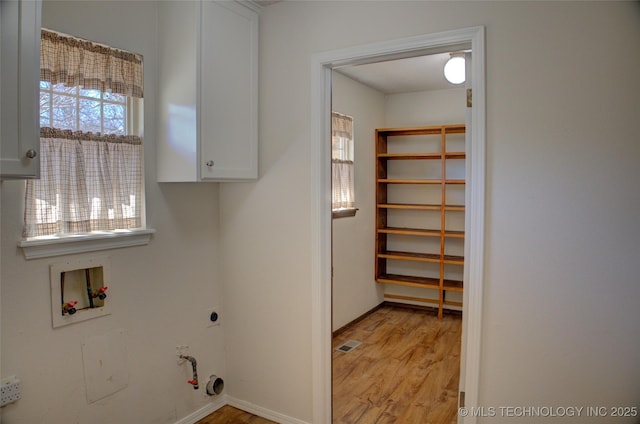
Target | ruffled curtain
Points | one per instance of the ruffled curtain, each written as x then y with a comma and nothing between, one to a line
342,162
76,62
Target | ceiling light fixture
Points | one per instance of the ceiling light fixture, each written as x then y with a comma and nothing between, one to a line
454,69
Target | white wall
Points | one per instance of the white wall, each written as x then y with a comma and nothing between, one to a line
561,288
159,293
354,288
437,107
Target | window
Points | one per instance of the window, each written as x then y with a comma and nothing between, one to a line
74,108
91,161
342,166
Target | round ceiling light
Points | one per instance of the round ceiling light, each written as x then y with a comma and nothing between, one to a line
454,70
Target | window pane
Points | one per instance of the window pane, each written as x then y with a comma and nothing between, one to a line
45,85
115,97
64,112
90,115
45,109
114,119
60,88
90,93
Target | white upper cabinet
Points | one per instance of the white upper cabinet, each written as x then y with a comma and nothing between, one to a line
208,88
19,90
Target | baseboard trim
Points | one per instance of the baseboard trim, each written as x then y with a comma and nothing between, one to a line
356,320
263,412
206,410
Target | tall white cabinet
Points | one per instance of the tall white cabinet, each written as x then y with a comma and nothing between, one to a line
208,89
20,65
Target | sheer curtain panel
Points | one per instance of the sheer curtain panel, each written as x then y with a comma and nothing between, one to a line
342,163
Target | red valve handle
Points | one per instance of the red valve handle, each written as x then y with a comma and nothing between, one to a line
103,289
72,303
192,382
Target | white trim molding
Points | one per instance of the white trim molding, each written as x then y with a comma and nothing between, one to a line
205,411
262,412
45,247
219,402
322,65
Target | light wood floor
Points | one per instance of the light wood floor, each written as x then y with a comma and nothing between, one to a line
230,415
405,371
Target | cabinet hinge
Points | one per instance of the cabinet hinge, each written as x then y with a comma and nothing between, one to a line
461,405
469,97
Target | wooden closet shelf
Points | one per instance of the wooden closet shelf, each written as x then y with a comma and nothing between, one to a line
422,156
426,130
424,207
453,260
410,256
412,281
420,232
423,282
410,156
421,257
415,181
454,285
421,299
454,208
455,155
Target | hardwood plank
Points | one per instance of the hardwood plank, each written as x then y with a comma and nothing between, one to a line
405,371
230,415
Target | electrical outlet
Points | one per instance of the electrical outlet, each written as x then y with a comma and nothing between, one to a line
10,390
213,316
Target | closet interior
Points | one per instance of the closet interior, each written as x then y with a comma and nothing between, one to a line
420,193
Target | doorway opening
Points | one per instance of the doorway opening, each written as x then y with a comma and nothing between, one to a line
323,65
407,121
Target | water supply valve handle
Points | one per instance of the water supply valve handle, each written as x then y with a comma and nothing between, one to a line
101,293
69,307
192,382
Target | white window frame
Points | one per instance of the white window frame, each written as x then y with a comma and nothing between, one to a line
346,212
50,246
129,105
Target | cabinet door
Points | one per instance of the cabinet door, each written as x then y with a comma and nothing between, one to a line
228,114
20,64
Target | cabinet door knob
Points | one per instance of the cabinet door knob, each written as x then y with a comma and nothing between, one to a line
31,153
209,163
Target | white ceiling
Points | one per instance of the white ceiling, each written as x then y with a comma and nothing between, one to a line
421,73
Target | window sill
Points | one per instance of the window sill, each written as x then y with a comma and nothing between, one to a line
343,213
45,247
